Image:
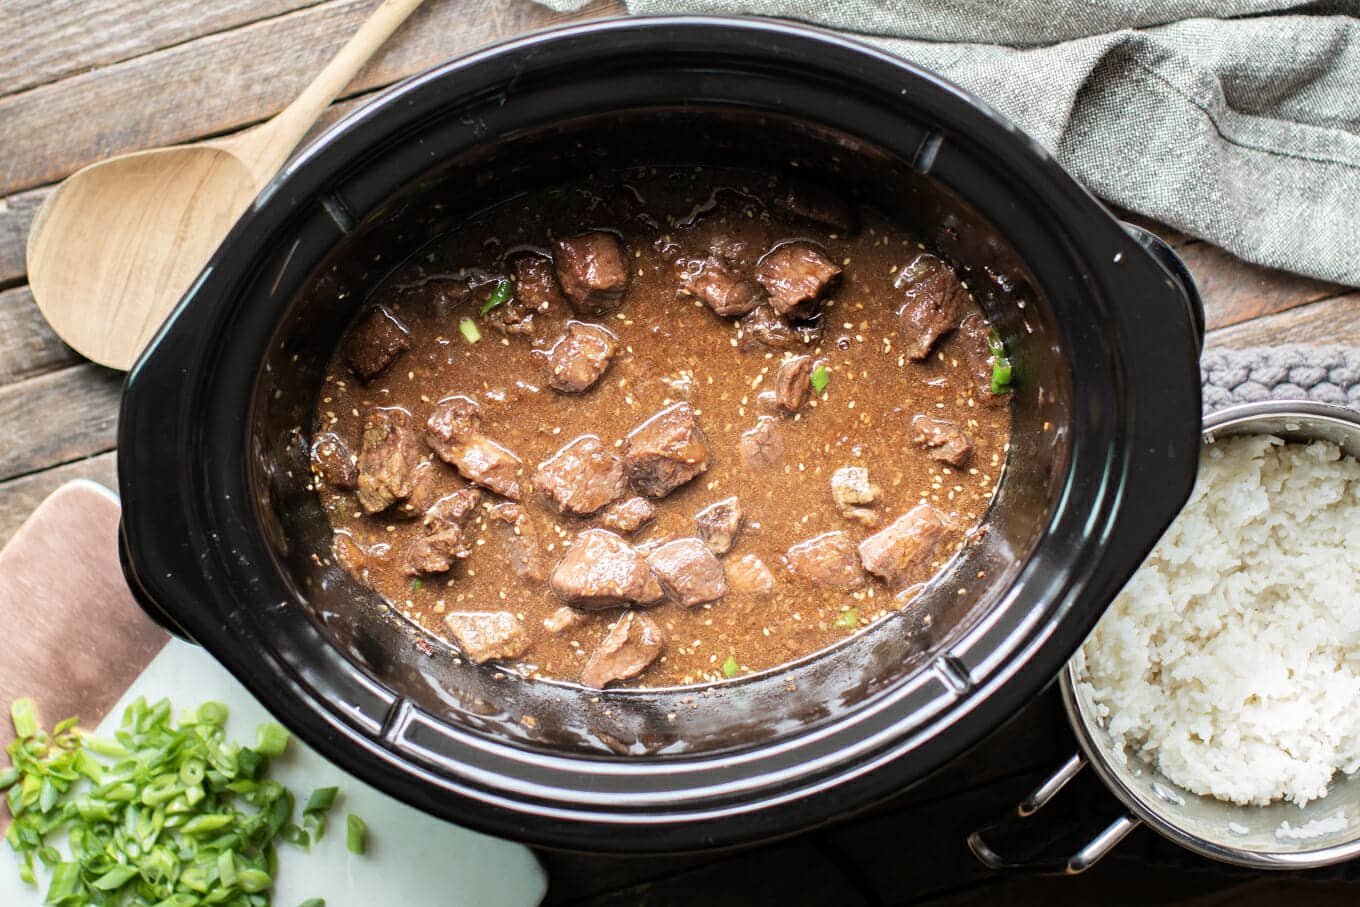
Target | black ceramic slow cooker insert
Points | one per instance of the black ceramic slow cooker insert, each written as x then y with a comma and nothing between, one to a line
223,542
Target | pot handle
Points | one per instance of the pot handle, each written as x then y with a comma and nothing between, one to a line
1169,260
1089,854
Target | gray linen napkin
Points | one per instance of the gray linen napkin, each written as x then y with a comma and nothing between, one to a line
1237,121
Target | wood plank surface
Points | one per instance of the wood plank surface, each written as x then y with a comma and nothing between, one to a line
1235,291
42,42
58,417
27,345
18,497
16,214
221,82
1326,323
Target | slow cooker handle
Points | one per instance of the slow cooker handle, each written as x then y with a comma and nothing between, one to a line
1072,864
1168,259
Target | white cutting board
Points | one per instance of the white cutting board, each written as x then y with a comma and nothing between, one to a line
413,859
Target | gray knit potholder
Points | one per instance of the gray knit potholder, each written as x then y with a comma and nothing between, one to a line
1323,374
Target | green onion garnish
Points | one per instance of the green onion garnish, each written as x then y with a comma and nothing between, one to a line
499,296
313,902
468,328
416,584
848,620
1001,366
271,740
730,667
356,834
163,814
820,378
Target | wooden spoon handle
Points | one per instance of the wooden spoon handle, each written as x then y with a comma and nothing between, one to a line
265,149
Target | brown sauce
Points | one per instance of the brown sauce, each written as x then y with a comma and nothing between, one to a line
879,410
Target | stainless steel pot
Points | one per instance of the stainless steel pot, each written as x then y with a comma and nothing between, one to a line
1242,835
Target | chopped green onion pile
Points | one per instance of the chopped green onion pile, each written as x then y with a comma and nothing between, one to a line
1001,365
730,667
820,378
499,296
356,834
849,619
159,816
468,328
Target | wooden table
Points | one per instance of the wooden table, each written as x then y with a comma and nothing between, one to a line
80,81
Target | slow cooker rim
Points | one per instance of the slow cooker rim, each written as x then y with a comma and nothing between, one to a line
317,152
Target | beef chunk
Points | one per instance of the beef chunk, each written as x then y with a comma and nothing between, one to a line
666,451
722,288
749,574
942,438
818,206
580,357
601,570
332,462
593,271
446,534
629,515
635,642
582,477
523,549
762,445
535,285
511,317
375,342
850,486
349,554
766,327
905,544
484,635
977,356
719,524
454,431
562,619
389,454
688,571
796,275
829,559
935,301
425,490
793,384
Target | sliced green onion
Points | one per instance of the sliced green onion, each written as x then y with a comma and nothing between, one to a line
313,902
176,815
356,834
271,740
25,718
849,619
1001,366
499,296
416,584
468,328
1001,375
730,668
820,378
320,800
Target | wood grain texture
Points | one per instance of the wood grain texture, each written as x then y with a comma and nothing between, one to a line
18,497
61,416
16,213
1235,291
28,347
1326,323
85,638
221,82
42,42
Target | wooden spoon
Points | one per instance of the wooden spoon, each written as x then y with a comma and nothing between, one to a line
114,248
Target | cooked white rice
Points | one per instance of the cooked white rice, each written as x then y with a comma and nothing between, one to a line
1231,660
